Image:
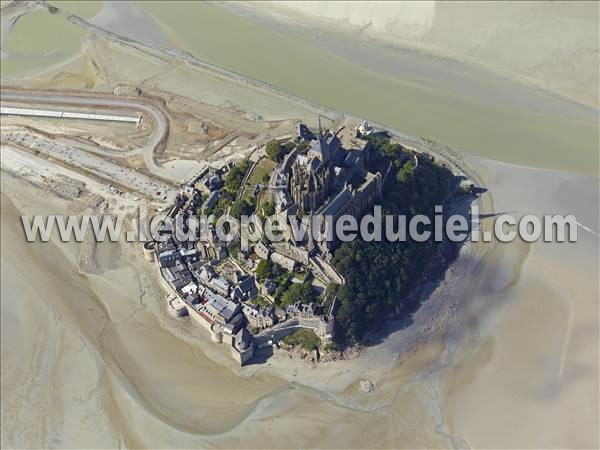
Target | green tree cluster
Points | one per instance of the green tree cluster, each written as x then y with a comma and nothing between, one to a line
380,275
241,207
275,151
284,281
235,176
306,339
264,270
221,207
267,209
406,171
298,292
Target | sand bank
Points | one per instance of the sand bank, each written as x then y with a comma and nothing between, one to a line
523,338
517,40
100,362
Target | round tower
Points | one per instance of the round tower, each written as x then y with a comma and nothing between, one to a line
149,251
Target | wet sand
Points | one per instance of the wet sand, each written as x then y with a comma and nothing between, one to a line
95,360
532,379
520,351
515,39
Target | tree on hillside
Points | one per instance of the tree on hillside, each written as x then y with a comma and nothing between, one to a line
264,270
298,292
380,275
406,172
284,281
241,208
306,339
233,180
275,151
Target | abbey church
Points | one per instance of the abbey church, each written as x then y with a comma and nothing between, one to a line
326,176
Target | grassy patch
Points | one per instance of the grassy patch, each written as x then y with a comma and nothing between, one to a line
306,339
263,170
260,175
261,301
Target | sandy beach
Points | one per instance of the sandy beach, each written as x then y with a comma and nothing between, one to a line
503,352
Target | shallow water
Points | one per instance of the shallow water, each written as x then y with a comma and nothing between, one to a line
459,106
39,39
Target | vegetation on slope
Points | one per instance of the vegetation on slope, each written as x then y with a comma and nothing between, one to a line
380,275
306,339
299,292
276,151
234,178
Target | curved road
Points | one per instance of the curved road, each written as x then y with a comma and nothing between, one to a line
158,134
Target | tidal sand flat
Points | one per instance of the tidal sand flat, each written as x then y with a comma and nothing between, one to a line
93,360
516,39
39,40
524,340
128,19
536,362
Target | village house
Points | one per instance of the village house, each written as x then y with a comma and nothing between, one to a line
284,261
305,311
268,287
245,289
259,317
189,289
211,201
168,258
219,285
218,308
262,250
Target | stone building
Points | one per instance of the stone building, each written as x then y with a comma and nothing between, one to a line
262,250
306,311
258,317
243,346
327,180
311,182
284,261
